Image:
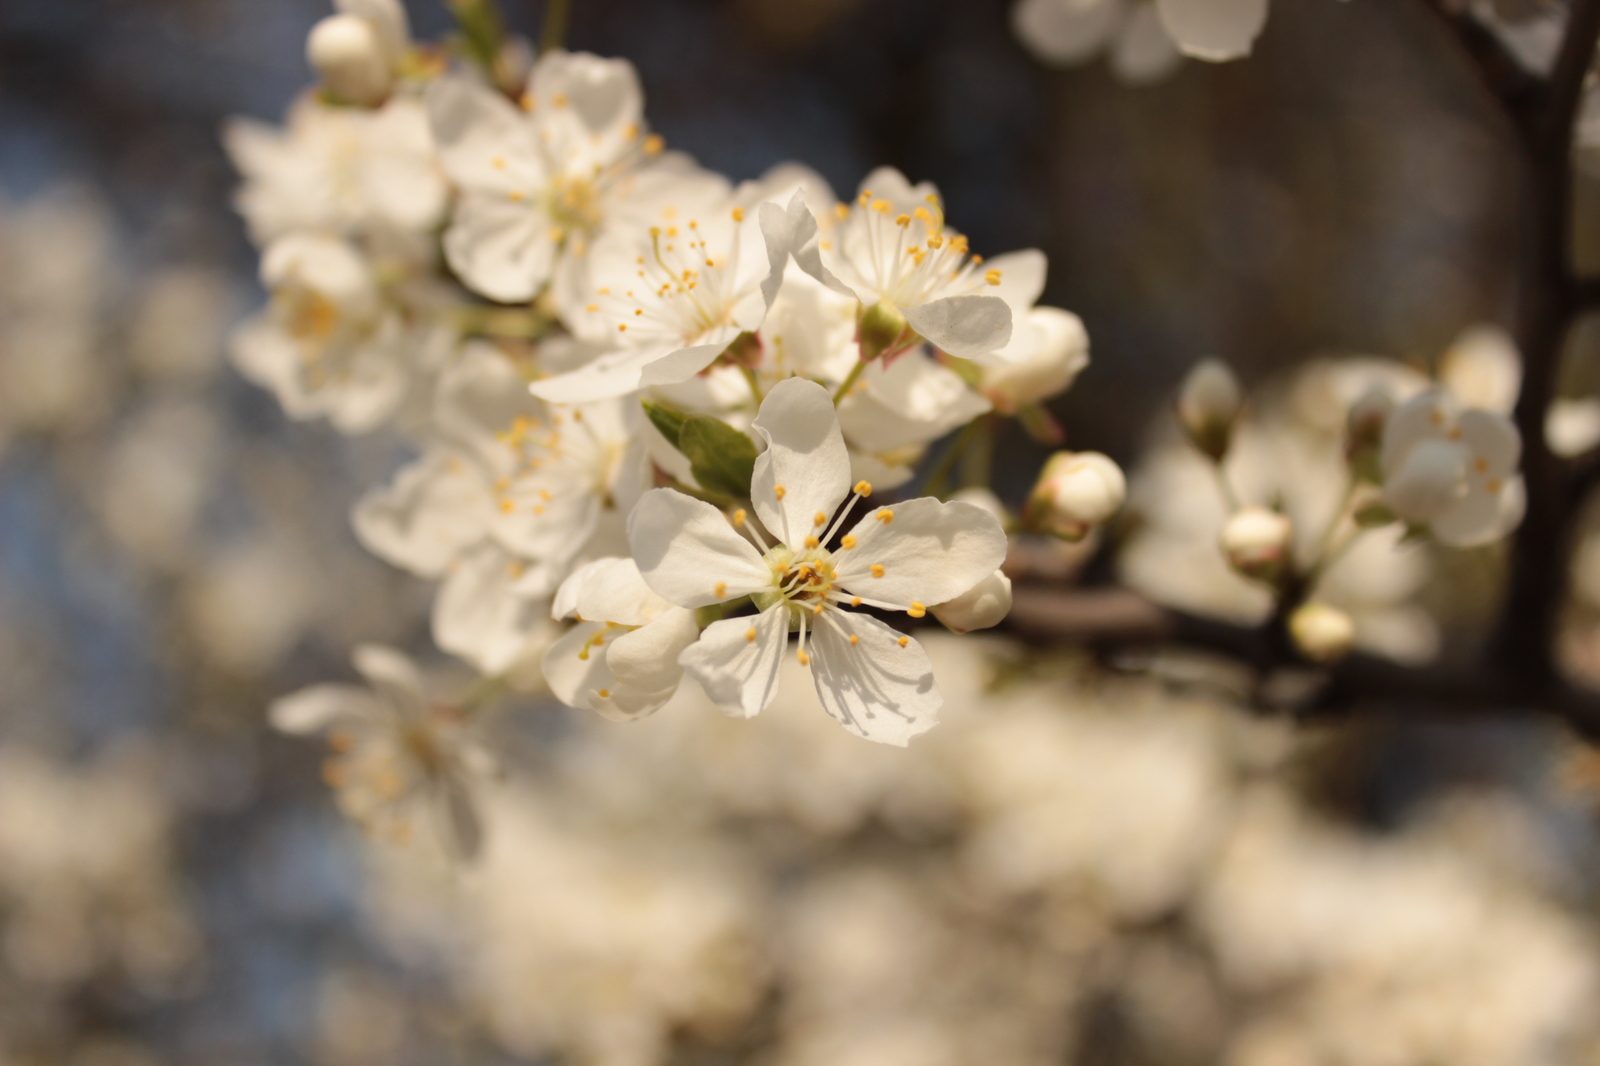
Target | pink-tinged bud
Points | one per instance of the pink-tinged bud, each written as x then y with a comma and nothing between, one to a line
345,51
1323,633
983,605
1256,541
1076,492
1208,406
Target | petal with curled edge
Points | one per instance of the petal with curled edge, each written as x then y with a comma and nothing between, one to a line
320,706
736,660
968,327
805,456
619,373
792,231
393,676
1420,418
609,590
1216,30
930,552
880,686
689,552
484,143
434,510
647,658
1492,438
500,248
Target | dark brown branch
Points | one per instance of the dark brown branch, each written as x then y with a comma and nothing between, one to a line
1501,74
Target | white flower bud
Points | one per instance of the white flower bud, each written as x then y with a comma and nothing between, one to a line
983,605
1429,481
345,51
1256,542
1322,633
1076,492
1208,405
1057,350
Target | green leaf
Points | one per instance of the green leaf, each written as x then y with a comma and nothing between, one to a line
668,421
721,458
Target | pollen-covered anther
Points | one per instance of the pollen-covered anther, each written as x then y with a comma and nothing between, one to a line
750,635
847,542
739,516
819,519
604,694
653,144
855,601
863,488
720,588
885,516
738,214
876,569
779,491
902,220
916,610
992,276
805,659
903,641
854,639
813,542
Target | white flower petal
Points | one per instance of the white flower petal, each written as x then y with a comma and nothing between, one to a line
1021,278
1494,439
880,686
393,676
1420,418
968,327
320,706
609,590
500,248
913,400
1216,30
573,669
481,395
647,658
685,363
1065,32
1472,520
611,375
432,511
689,553
930,552
736,660
484,144
805,457
481,614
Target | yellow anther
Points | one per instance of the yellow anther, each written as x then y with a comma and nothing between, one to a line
855,601
805,660
863,488
528,102
1481,465
813,542
655,232
847,541
992,276
819,519
559,99
841,211
638,310
750,635
820,607
516,196
916,610
738,214
921,215
498,162
505,506
902,220
877,569
653,144
854,639
975,259
1455,433
865,197
779,491
622,327
903,641
739,517
881,206
721,589
935,242
592,307
885,516
1493,485
604,694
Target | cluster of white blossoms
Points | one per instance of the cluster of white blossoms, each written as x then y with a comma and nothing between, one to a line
1143,40
662,422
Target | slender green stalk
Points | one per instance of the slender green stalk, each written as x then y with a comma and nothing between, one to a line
1229,497
755,384
557,13
849,382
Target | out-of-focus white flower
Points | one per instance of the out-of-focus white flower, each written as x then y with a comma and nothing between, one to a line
397,755
1051,350
621,659
1145,39
1209,402
1482,368
1453,471
913,277
874,681
358,51
1322,632
512,497
1076,491
329,345
1572,427
984,605
539,182
1256,541
341,170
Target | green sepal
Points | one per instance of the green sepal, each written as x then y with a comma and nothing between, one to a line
667,420
1374,515
721,458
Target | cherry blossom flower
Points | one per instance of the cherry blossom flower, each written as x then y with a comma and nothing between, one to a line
397,755
1452,471
876,682
621,660
538,183
1145,38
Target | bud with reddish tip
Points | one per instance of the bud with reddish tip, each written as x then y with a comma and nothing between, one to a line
983,605
1322,632
1076,492
1208,406
346,52
1256,541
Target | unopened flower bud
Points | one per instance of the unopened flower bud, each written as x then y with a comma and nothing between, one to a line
1323,633
1208,406
881,328
1076,492
345,51
983,605
1429,481
1256,542
1058,352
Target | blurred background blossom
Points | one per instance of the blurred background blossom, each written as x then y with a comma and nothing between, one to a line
1082,866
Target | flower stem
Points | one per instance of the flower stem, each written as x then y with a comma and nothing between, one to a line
849,382
557,13
1334,522
1229,497
755,385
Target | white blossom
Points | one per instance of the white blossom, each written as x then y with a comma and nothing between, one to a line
1453,471
877,683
